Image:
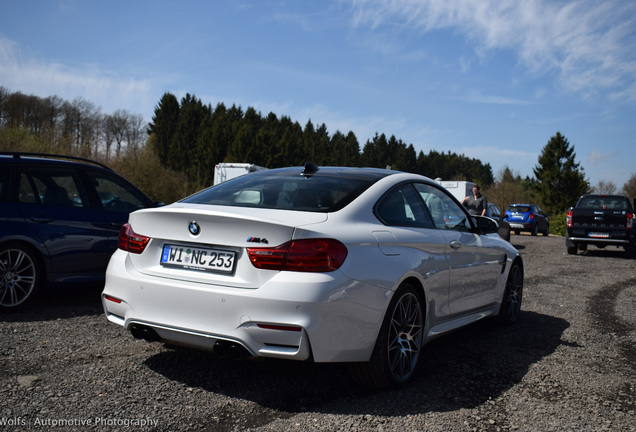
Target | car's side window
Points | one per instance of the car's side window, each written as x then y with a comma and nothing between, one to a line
445,212
114,194
52,186
26,190
495,211
402,207
4,184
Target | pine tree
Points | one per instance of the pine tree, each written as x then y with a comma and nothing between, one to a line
560,179
164,125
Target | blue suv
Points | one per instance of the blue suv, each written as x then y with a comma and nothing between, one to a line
59,221
529,218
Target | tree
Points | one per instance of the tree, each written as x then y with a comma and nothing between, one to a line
560,179
115,126
164,126
244,147
451,166
346,150
376,152
629,188
509,188
605,187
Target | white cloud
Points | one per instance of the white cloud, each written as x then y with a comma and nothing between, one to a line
596,156
590,45
107,90
477,97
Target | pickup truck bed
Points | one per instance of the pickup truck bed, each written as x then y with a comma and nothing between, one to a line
600,220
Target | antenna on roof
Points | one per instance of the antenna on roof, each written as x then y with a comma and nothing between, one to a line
309,169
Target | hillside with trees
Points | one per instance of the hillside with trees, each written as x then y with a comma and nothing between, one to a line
174,155
191,137
187,138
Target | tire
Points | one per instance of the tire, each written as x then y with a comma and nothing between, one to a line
517,232
513,294
535,229
547,230
572,250
20,276
398,347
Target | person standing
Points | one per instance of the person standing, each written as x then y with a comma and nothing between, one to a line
477,203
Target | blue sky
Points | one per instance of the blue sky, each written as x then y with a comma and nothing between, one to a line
492,80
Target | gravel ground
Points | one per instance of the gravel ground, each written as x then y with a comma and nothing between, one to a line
568,365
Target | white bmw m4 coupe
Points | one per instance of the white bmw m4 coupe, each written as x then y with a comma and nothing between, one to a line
328,264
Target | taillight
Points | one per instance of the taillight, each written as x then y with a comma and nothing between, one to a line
531,216
130,241
568,219
630,220
311,255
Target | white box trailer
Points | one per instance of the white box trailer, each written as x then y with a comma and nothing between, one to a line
459,189
226,171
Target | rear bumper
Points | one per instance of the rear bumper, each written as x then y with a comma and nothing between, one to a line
294,315
572,241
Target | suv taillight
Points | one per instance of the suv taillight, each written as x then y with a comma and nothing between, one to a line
310,255
630,220
130,241
568,219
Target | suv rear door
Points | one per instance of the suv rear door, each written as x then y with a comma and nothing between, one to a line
118,199
55,204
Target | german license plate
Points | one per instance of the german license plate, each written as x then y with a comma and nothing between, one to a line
201,259
599,234
514,225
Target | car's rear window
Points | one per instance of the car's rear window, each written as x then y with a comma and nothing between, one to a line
604,202
519,209
321,192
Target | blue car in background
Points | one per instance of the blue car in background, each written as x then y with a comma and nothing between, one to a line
59,221
529,218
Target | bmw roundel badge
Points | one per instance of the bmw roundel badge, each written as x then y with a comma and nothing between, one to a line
194,228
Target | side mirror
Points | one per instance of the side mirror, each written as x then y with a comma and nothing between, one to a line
486,225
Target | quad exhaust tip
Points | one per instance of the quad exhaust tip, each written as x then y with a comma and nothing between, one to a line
144,332
221,348
228,349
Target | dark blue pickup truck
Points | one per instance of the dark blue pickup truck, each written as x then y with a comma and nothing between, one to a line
601,220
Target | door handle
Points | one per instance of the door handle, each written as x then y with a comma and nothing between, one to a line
455,244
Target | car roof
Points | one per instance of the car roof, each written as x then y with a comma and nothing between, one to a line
310,170
18,158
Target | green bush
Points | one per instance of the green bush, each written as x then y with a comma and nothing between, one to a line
557,223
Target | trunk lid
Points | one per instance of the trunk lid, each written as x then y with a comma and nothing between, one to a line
223,233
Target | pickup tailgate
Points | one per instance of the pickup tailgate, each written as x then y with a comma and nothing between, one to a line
602,223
